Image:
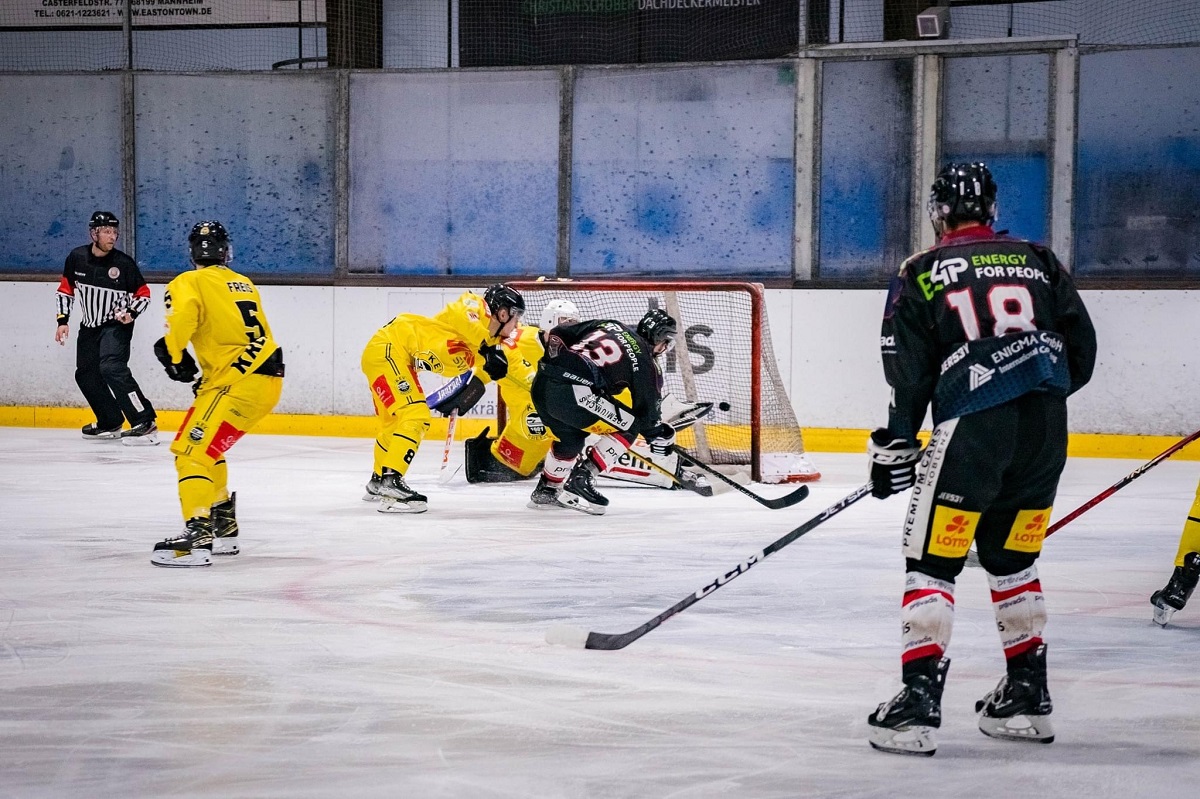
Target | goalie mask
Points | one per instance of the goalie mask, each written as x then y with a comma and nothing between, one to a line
558,312
658,329
209,244
962,193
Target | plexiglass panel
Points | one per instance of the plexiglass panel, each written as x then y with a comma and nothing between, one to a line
454,173
866,168
254,152
997,110
62,139
1137,190
684,172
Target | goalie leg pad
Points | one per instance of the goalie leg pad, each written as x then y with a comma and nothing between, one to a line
482,466
633,467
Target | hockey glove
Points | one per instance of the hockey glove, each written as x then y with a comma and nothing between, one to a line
893,463
660,438
183,372
495,362
462,400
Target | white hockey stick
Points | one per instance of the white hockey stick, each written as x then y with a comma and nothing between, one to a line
447,474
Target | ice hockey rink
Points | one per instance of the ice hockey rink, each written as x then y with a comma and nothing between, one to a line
349,653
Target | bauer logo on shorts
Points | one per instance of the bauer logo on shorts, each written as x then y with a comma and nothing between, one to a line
1028,530
953,531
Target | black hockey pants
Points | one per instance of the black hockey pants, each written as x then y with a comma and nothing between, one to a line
102,372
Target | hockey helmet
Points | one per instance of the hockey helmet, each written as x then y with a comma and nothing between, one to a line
558,312
657,327
502,295
103,219
962,193
209,243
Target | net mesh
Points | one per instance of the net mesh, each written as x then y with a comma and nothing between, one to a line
713,361
199,35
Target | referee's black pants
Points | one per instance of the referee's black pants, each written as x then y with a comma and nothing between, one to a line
102,372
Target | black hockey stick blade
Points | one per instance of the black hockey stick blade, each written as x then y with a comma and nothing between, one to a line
786,501
570,636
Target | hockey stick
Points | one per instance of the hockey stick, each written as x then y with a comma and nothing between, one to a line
447,474
573,636
973,557
1124,481
786,501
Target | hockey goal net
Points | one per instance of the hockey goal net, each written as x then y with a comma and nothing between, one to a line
723,355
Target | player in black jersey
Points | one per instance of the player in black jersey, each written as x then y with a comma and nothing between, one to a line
989,333
110,292
597,377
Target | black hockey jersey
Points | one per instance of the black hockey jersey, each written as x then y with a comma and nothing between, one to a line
979,320
104,287
609,357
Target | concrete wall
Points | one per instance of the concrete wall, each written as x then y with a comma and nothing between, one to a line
826,343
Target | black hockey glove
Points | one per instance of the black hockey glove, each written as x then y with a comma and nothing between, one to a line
183,372
893,463
462,400
660,438
495,362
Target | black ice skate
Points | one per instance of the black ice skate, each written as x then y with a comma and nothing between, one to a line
905,725
373,484
395,495
1019,709
579,491
192,548
93,433
141,435
1178,590
545,495
225,527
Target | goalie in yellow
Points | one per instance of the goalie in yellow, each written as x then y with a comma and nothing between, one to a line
220,313
461,339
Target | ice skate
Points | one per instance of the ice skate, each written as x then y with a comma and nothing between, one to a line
545,496
905,725
395,495
372,491
191,548
1178,590
141,435
1019,709
93,433
579,491
225,527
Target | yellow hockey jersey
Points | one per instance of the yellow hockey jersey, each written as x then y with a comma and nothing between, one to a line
220,312
524,350
448,342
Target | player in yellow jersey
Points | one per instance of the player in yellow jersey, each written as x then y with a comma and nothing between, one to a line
1175,594
462,338
241,366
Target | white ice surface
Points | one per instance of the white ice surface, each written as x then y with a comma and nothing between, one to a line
348,653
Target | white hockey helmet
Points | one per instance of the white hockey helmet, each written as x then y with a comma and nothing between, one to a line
558,312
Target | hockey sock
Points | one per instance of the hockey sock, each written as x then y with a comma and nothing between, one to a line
1190,540
196,487
557,469
927,618
607,451
1020,612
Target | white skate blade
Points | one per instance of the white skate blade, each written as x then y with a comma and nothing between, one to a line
575,503
226,546
566,635
176,559
389,505
1027,728
1163,614
104,437
369,497
545,506
148,440
916,740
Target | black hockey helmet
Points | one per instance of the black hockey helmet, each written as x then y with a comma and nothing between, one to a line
657,327
209,243
502,295
962,193
103,219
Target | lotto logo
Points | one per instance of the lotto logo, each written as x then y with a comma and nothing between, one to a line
952,532
1028,530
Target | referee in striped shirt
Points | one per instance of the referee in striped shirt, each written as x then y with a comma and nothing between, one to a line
111,292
